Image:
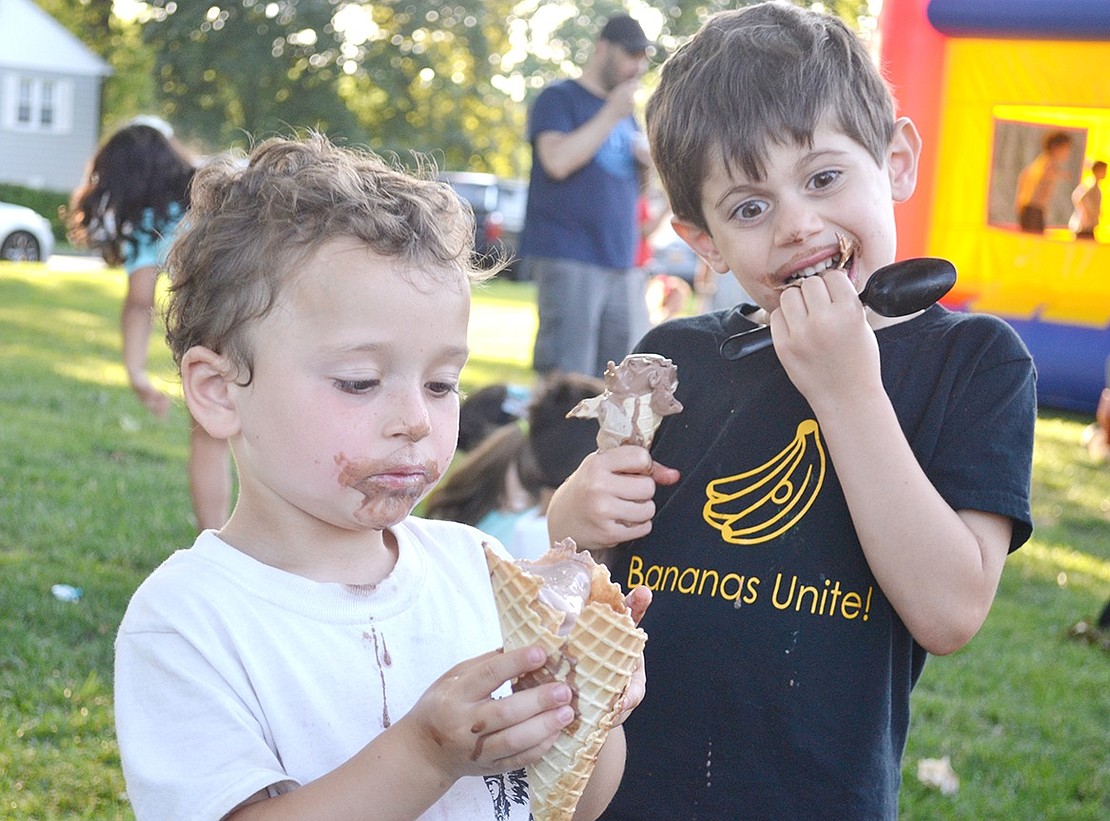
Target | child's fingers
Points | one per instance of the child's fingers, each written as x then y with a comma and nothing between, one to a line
634,693
462,728
840,288
510,729
480,676
542,710
620,511
637,487
522,758
633,459
155,401
628,512
663,475
637,601
624,459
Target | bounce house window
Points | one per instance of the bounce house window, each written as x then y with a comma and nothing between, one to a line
1037,160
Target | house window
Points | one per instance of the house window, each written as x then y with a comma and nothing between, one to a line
36,104
46,105
26,102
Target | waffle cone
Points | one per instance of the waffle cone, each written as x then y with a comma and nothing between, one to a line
596,659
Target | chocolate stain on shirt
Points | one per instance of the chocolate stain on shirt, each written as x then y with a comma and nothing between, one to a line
381,655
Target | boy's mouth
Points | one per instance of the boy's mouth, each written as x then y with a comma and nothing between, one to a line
842,260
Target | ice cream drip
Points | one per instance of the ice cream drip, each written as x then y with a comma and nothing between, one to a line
638,394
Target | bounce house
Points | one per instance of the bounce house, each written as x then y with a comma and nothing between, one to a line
986,81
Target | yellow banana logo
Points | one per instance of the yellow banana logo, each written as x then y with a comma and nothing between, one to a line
762,503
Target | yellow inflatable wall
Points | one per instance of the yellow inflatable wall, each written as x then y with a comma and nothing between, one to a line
1002,271
986,81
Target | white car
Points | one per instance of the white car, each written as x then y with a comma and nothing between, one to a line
24,234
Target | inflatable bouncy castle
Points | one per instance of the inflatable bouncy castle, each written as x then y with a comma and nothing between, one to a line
986,81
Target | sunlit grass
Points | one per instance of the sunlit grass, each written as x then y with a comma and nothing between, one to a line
502,327
1022,710
1065,566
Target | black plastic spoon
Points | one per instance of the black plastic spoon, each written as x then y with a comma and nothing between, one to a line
898,289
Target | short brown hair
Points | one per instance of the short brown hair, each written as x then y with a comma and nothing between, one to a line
1056,139
251,226
757,76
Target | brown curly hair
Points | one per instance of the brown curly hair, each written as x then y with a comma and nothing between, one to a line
253,225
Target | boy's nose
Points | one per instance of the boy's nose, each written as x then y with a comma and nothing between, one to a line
411,418
796,223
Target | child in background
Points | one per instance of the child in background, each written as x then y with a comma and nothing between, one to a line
1038,181
825,513
1096,436
504,485
668,296
487,409
1086,200
325,654
490,437
134,195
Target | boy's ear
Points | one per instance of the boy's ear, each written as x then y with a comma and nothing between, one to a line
902,157
206,377
702,243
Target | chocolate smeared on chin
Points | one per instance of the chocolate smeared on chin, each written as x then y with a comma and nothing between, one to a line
384,503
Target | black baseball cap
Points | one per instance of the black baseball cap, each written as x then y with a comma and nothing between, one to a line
626,33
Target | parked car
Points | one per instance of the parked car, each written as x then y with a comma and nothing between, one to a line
24,234
498,205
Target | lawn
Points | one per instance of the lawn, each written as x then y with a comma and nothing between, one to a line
93,494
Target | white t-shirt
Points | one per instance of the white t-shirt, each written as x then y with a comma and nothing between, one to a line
233,676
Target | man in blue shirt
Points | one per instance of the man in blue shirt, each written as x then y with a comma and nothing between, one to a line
580,232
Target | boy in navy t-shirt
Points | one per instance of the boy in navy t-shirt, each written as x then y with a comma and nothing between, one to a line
824,513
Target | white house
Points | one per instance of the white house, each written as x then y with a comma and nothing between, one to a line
49,99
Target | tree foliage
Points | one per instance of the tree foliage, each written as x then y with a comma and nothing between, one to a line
228,72
88,19
425,79
452,78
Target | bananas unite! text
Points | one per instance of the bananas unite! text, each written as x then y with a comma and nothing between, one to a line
787,592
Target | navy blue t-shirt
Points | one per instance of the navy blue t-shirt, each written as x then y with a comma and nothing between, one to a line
591,215
779,674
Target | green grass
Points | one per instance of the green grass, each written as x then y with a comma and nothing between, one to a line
1024,711
93,493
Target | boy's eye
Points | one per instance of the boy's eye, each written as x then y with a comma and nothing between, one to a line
356,386
823,179
749,210
442,388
